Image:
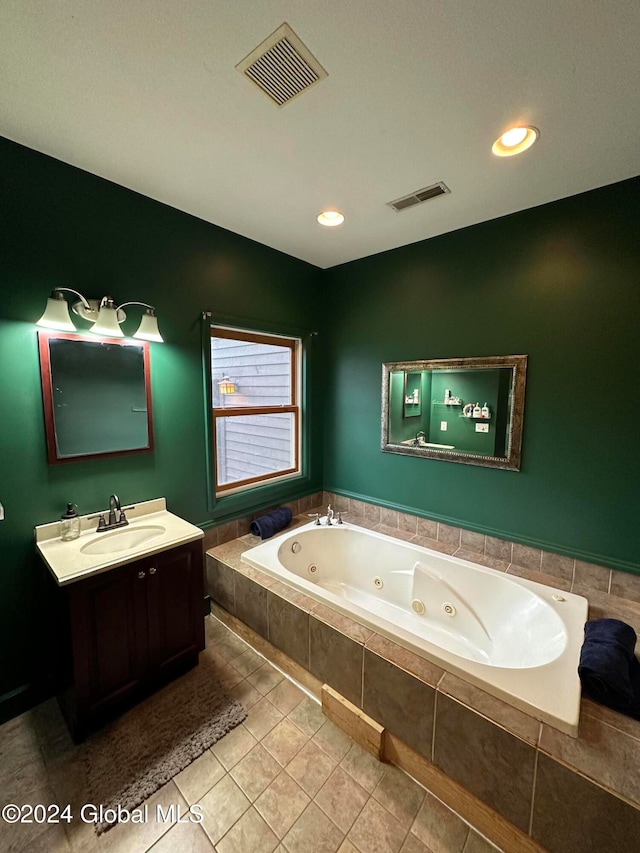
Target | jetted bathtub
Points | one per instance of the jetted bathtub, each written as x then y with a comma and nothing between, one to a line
518,640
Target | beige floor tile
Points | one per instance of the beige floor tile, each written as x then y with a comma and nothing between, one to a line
183,838
333,740
308,716
364,768
17,750
313,831
256,771
342,799
376,830
286,696
245,693
222,807
52,840
347,847
477,844
262,717
229,647
311,768
228,675
412,844
439,828
284,741
199,777
21,836
26,783
127,837
249,835
282,804
400,795
68,778
265,678
247,662
233,746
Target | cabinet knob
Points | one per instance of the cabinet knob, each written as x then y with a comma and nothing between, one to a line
152,570
141,575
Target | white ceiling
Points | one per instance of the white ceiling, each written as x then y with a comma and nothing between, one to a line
145,93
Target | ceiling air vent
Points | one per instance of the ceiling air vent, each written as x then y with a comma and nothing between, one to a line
282,66
419,196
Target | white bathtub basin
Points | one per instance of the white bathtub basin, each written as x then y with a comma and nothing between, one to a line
516,639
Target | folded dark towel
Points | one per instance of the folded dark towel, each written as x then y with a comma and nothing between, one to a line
271,523
608,669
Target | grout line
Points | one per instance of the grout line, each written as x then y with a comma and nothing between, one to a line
573,576
433,730
610,581
533,792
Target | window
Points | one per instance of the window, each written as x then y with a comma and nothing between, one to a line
256,414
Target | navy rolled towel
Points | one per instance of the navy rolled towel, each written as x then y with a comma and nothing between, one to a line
271,523
608,669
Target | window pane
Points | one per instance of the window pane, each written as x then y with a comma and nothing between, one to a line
260,373
249,446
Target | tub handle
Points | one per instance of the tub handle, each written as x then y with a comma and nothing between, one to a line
315,515
340,514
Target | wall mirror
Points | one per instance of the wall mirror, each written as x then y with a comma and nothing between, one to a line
96,396
459,410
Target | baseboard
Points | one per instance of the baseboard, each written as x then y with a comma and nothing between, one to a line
22,699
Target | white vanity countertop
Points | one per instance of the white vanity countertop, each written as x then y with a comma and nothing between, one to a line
67,561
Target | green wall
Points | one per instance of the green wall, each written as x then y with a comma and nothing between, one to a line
64,227
560,283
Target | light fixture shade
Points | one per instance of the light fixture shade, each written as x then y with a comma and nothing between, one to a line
148,328
107,323
56,315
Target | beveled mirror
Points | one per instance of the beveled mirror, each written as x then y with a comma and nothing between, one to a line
466,410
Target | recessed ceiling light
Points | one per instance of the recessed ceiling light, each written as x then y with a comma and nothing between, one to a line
515,140
330,218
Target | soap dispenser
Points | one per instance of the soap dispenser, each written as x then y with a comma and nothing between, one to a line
69,524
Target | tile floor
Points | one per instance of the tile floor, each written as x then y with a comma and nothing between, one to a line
287,779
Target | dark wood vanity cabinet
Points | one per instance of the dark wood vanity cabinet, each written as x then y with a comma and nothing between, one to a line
133,628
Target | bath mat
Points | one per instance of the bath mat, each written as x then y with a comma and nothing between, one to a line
142,750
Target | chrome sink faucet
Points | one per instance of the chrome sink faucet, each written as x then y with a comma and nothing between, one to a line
329,520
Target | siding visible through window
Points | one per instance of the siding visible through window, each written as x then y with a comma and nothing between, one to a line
256,427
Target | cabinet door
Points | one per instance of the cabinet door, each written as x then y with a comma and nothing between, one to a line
110,645
176,619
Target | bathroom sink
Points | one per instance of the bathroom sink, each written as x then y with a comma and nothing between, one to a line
122,540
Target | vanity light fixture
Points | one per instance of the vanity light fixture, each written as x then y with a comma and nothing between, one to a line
104,314
227,385
330,218
515,140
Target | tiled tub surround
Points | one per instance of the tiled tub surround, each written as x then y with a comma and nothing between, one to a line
568,794
227,531
514,638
